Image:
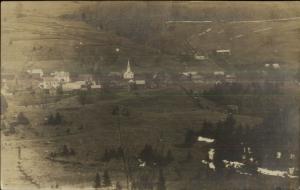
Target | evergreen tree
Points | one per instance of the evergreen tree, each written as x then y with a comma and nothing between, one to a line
72,151
106,179
65,150
21,119
51,119
97,181
82,98
105,157
190,137
206,130
169,157
147,154
59,90
58,118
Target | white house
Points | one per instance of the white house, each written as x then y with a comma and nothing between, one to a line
230,78
197,78
61,76
36,72
276,66
190,73
128,74
49,82
219,73
199,57
73,85
223,51
140,82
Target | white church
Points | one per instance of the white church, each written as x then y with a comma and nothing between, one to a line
128,74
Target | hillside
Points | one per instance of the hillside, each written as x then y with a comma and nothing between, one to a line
84,37
267,32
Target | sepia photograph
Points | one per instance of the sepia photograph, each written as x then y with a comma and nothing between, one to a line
150,95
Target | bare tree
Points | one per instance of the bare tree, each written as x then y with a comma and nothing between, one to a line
119,112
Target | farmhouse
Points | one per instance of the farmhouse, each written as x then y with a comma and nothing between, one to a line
190,73
36,73
276,66
61,76
230,78
219,73
49,82
197,78
136,84
73,85
223,52
199,57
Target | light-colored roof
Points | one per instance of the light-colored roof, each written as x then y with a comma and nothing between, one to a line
95,86
190,73
140,82
74,85
35,71
219,73
223,50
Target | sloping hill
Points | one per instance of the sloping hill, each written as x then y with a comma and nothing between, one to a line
84,36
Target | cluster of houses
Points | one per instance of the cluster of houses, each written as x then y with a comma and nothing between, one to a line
72,82
69,82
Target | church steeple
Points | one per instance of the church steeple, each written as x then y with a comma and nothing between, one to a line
128,74
128,67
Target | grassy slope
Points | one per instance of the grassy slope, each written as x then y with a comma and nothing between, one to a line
62,36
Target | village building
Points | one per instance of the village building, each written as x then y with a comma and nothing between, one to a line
230,78
200,57
136,84
223,52
190,73
197,78
49,82
128,74
272,65
185,76
219,73
36,73
193,76
276,66
61,76
163,79
96,86
77,85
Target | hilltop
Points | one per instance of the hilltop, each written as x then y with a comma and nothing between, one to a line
157,36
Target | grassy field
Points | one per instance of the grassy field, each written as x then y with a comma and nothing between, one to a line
157,117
